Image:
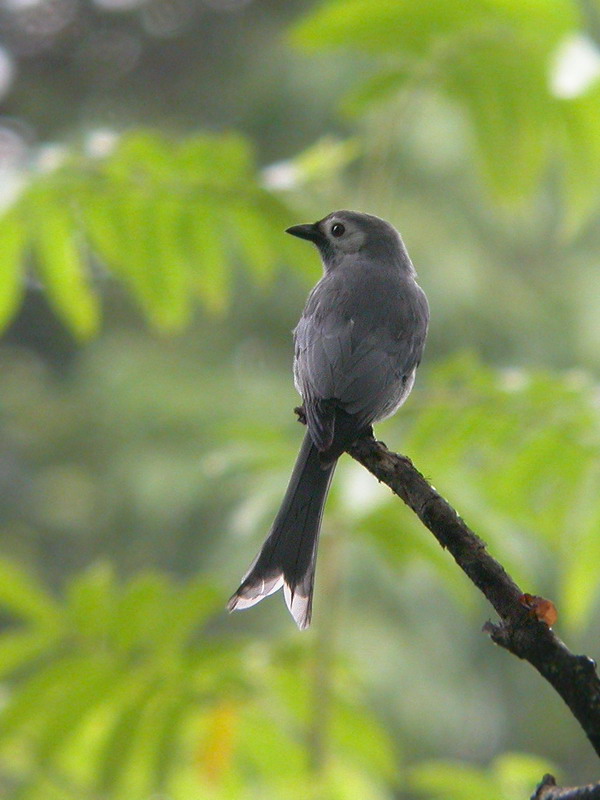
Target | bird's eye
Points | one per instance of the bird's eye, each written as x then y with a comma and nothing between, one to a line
337,230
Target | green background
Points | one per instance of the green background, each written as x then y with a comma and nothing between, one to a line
152,153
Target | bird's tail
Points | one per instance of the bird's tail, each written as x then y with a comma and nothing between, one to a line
289,554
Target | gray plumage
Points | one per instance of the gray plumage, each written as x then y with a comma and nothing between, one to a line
357,347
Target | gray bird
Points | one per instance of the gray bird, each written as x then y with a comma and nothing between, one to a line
357,347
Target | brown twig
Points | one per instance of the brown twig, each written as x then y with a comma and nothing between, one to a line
519,630
548,790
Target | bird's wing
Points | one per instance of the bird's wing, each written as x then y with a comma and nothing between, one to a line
366,373
357,346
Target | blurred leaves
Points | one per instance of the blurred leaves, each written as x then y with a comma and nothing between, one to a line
494,60
169,219
12,284
512,776
173,220
59,261
121,690
407,25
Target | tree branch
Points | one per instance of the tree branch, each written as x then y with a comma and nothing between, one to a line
519,631
548,790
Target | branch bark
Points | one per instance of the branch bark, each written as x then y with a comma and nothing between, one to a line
519,630
548,790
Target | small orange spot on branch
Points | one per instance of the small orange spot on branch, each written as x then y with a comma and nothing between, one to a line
540,608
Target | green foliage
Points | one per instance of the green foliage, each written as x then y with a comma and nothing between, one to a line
512,776
491,59
171,220
121,690
58,255
12,245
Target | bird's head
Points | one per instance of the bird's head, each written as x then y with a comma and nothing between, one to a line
347,233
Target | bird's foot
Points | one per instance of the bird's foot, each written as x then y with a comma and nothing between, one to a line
301,414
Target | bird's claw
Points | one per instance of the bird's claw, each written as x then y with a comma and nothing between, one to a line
301,414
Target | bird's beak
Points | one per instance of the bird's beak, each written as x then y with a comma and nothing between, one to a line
310,232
